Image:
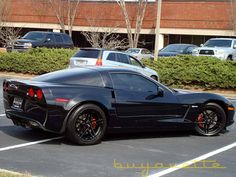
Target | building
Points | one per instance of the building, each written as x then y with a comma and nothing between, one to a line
182,21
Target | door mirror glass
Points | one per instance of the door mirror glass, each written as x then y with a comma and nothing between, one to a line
201,45
235,46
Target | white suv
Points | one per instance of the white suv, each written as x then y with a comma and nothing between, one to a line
222,48
103,57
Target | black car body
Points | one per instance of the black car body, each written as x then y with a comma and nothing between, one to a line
176,49
128,100
35,39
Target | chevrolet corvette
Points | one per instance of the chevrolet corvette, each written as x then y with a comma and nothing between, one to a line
85,103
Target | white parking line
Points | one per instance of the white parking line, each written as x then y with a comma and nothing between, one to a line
190,162
29,144
2,115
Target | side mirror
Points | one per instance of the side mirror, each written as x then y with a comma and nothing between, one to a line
201,45
160,92
234,47
143,65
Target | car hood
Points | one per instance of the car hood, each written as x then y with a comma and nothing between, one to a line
213,48
167,54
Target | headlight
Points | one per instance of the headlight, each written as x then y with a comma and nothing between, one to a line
27,45
219,52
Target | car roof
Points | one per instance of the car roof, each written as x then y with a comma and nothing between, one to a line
222,39
47,32
110,69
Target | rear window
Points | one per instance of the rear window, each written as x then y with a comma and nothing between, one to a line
87,54
76,76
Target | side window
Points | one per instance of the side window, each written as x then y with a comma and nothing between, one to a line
67,39
132,82
122,58
143,51
58,38
50,38
134,62
111,57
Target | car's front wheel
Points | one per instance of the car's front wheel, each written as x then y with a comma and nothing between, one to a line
86,125
211,120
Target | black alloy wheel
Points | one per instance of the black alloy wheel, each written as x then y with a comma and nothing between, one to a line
87,125
211,120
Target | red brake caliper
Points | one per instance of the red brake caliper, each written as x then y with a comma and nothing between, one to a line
93,123
200,120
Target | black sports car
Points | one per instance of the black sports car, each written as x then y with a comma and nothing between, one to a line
84,103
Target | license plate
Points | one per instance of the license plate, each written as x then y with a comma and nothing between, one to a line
17,102
80,62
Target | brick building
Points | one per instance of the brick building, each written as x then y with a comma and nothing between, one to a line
182,21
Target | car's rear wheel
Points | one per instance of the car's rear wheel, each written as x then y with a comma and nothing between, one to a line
229,58
211,120
86,125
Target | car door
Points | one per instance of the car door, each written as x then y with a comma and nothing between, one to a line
50,41
59,41
138,104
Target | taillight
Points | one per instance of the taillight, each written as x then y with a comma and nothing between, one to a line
99,62
4,86
31,92
39,94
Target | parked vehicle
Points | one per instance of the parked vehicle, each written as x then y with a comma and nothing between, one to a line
140,53
84,103
176,49
222,48
35,39
103,57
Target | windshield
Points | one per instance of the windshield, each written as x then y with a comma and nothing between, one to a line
174,48
34,36
218,43
135,51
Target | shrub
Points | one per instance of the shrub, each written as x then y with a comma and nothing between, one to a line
201,72
36,61
180,71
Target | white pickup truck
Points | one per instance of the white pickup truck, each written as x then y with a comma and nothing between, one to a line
222,48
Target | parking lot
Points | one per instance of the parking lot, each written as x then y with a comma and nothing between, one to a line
132,155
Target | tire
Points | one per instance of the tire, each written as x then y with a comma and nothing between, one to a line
86,125
154,77
211,121
229,58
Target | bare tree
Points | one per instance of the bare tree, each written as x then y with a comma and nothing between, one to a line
140,12
65,11
107,39
233,15
9,36
100,37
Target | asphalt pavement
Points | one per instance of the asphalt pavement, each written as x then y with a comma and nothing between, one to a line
124,155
